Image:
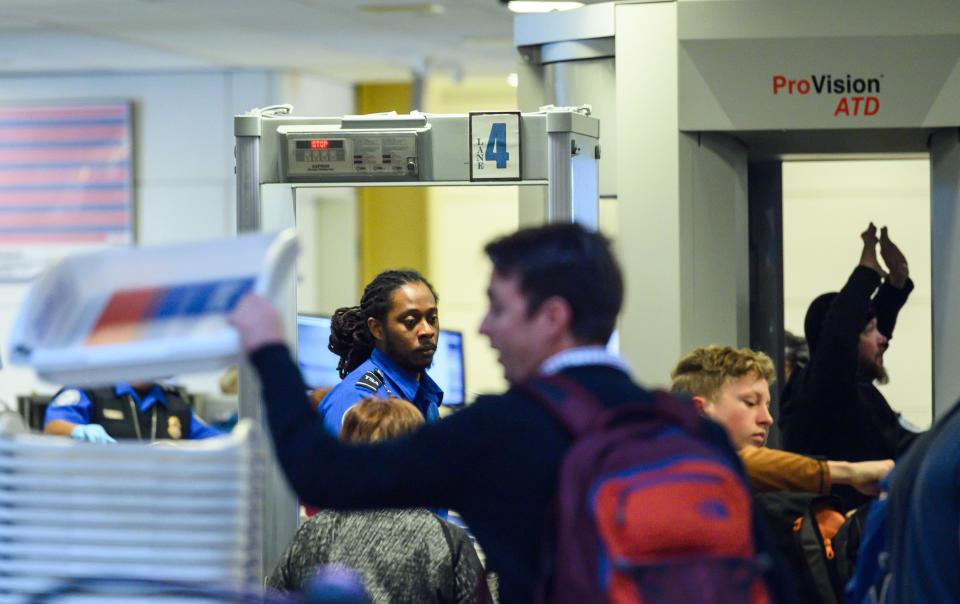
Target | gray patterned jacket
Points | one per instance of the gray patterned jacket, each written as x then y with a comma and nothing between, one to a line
402,555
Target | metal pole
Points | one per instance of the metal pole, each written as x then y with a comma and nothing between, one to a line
766,273
279,517
572,179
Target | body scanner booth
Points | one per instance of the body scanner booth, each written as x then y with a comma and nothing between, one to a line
554,151
709,98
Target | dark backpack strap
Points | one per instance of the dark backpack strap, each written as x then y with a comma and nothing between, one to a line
811,544
575,407
578,410
454,556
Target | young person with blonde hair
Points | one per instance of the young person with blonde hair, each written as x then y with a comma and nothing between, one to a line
732,387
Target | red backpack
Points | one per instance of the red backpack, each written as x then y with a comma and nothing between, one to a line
651,507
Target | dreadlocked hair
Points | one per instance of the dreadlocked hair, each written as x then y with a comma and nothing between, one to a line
350,338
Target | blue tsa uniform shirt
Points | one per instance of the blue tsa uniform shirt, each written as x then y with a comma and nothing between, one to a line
162,413
381,377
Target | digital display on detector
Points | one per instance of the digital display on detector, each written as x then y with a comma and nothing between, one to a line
320,143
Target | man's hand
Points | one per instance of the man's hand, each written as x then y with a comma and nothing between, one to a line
91,433
258,322
868,257
865,476
894,259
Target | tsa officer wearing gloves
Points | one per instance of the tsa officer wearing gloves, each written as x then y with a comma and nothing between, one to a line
385,346
141,411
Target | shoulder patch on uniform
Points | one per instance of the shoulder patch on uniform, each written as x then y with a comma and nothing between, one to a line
371,380
67,398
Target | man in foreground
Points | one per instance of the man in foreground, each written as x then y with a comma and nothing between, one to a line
554,296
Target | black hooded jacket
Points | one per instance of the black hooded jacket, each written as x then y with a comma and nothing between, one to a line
827,409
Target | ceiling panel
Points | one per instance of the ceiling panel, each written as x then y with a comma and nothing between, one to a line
328,37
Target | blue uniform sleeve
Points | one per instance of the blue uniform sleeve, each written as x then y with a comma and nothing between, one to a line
71,405
199,429
336,404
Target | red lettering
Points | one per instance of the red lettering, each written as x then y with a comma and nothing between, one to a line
842,107
856,104
872,106
803,86
778,82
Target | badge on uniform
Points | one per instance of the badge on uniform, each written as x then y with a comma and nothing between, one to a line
174,430
114,414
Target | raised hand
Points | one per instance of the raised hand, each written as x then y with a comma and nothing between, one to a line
868,257
894,259
257,321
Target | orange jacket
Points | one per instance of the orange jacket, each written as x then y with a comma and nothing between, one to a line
774,470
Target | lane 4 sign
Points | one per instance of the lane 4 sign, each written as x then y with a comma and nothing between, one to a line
495,146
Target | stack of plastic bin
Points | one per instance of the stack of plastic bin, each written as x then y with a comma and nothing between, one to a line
186,512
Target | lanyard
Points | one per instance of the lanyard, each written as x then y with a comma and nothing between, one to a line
136,419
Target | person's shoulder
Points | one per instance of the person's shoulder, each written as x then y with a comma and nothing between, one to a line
70,397
358,384
610,384
457,533
366,378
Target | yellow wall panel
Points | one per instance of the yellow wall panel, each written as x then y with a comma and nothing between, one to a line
393,221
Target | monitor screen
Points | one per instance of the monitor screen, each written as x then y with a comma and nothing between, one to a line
447,369
319,366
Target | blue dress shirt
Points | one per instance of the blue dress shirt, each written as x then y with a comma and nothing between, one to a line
424,394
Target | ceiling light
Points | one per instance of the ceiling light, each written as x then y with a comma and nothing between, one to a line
419,8
513,80
535,6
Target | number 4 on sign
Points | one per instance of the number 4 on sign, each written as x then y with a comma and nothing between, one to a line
497,145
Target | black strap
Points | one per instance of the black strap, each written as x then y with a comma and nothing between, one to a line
578,410
575,407
811,544
454,556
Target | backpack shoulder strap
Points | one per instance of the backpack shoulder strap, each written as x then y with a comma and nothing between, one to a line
810,542
575,407
578,410
678,410
454,555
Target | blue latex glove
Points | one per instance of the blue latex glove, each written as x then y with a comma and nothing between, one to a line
92,433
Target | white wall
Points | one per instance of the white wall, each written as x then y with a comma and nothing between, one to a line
328,218
183,148
826,205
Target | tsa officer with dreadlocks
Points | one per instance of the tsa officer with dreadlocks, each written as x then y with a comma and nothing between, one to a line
385,346
144,411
